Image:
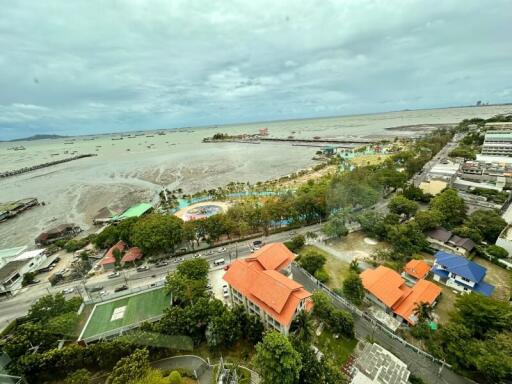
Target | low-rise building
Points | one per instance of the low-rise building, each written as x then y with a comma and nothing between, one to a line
260,284
134,211
388,290
415,270
108,262
11,273
376,365
63,231
442,239
460,273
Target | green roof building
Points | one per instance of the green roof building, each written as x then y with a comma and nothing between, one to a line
134,211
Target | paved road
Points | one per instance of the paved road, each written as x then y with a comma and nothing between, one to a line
418,364
18,305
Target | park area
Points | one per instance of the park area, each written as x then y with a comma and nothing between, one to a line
113,315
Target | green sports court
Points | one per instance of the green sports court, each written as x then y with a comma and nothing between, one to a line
124,313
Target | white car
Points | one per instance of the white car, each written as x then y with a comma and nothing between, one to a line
225,291
68,290
220,250
114,274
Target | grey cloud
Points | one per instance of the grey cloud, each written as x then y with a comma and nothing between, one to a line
72,67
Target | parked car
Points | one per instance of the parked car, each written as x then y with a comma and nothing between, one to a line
225,290
68,290
220,250
142,268
113,274
121,288
257,244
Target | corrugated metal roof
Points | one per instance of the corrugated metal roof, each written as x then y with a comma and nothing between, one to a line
11,252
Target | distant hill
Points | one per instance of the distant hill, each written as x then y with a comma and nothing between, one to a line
39,137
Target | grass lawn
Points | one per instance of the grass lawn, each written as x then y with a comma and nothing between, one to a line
337,269
139,307
365,160
497,276
338,349
446,303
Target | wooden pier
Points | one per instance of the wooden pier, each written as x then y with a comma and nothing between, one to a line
44,165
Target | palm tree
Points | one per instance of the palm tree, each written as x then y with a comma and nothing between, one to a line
423,311
302,326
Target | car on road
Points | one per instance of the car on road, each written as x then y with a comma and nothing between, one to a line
95,289
121,288
142,268
68,290
197,255
220,250
257,244
113,274
161,264
218,262
225,291
103,292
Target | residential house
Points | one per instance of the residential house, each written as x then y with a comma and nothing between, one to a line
133,254
444,240
388,290
109,261
415,270
460,273
260,284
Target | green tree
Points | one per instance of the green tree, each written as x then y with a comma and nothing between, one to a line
423,312
302,327
373,224
276,360
451,206
400,204
341,322
353,288
184,289
130,368
471,233
195,269
157,233
118,255
312,261
406,239
497,251
28,278
488,222
335,226
81,376
155,376
428,220
50,306
175,378
322,307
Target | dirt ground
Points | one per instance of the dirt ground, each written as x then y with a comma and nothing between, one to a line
368,160
357,245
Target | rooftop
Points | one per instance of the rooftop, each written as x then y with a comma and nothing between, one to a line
417,269
385,284
422,292
132,254
109,256
134,211
11,252
8,269
381,366
461,266
273,292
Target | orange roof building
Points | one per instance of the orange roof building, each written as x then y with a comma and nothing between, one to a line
387,289
259,285
109,260
132,254
415,270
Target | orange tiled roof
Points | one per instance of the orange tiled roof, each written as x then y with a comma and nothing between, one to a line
385,284
274,293
275,256
417,269
132,254
422,292
109,256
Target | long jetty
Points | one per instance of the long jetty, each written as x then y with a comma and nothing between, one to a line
294,141
44,165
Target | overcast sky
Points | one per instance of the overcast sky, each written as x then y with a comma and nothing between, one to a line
98,66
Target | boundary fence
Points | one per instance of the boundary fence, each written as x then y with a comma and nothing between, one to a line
372,320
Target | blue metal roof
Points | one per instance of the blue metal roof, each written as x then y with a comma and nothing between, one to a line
484,288
461,266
